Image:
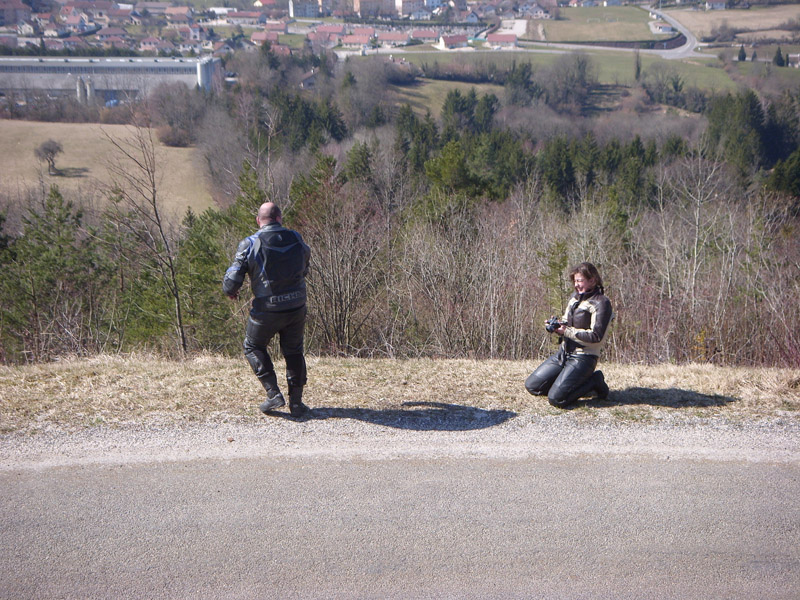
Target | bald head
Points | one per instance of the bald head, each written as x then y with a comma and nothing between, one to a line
268,213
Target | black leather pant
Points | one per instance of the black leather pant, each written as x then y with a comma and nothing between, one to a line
290,327
563,377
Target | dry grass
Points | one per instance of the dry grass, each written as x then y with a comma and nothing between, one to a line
115,390
701,22
84,162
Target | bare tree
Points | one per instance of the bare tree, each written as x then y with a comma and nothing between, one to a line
345,231
137,207
47,152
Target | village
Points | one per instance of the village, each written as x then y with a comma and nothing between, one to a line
161,29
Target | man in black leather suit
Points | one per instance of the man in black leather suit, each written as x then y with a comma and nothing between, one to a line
276,259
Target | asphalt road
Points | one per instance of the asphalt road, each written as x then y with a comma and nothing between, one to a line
426,523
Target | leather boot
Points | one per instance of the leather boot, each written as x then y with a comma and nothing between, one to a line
296,406
600,386
274,400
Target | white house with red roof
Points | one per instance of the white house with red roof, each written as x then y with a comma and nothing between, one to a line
356,41
246,18
281,49
116,42
55,30
393,38
149,44
322,39
333,28
77,24
121,15
73,42
451,42
260,37
110,32
179,13
501,40
426,35
277,26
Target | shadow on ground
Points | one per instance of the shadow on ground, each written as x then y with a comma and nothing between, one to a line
71,172
669,398
418,416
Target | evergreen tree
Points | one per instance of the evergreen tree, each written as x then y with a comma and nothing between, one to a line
785,177
211,319
778,60
54,284
499,160
742,53
520,89
557,168
450,173
359,164
736,128
424,142
630,177
458,114
610,159
673,147
587,154
484,112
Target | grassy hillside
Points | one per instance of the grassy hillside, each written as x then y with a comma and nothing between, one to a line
84,163
113,390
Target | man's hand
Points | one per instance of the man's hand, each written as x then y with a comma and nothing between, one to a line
234,296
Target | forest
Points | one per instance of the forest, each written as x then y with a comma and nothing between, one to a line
443,234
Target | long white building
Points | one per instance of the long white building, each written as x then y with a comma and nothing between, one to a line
104,79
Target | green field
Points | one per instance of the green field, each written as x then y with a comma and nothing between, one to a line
598,24
613,68
429,94
84,163
292,40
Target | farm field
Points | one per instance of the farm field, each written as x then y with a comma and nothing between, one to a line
84,161
754,19
597,24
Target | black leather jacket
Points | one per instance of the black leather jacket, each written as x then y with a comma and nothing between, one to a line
277,260
587,316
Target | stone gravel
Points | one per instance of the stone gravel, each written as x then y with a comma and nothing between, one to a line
356,434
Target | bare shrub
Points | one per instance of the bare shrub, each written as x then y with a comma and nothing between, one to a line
176,111
344,228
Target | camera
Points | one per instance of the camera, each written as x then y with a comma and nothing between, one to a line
552,324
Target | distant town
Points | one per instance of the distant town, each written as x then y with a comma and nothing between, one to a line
161,29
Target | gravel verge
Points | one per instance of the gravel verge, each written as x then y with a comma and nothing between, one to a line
355,437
